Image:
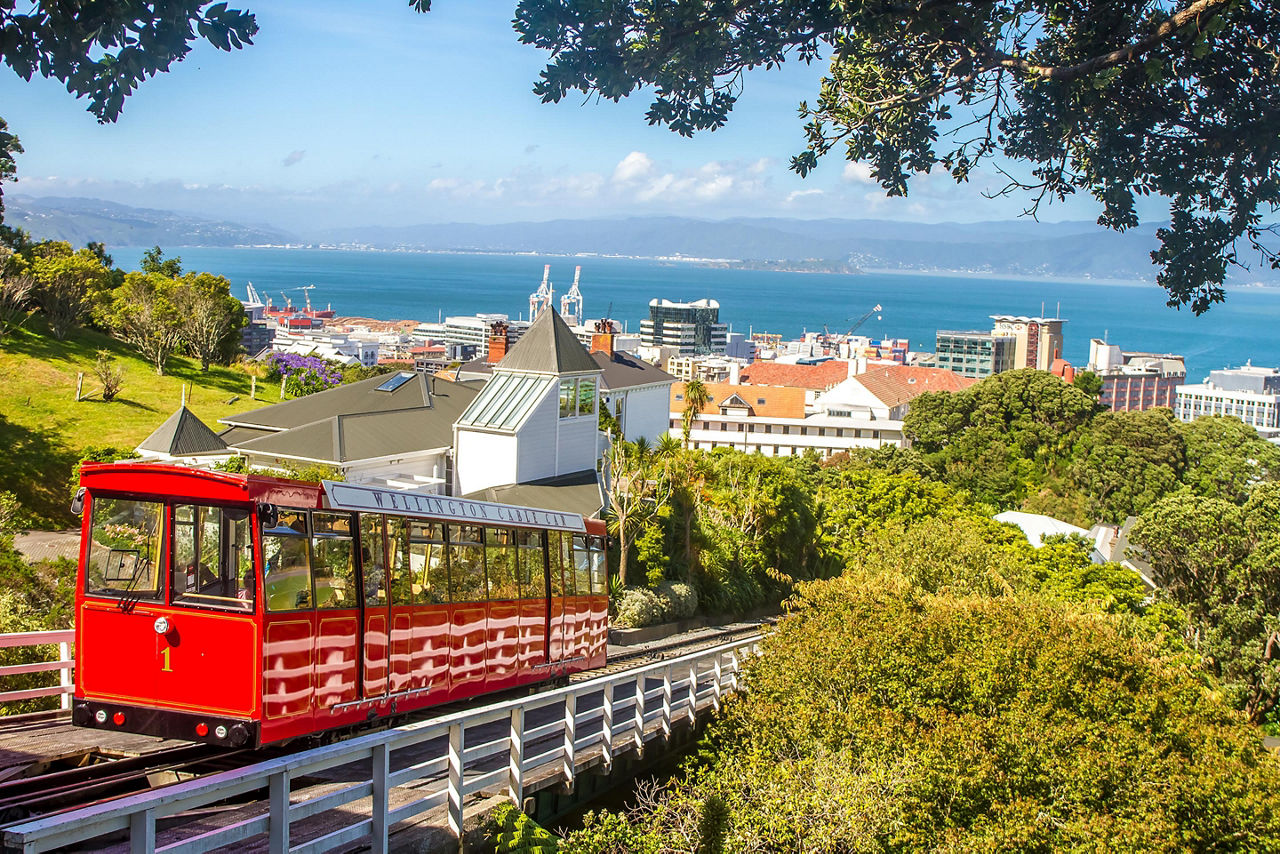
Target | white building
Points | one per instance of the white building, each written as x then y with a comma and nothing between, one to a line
536,419
1250,393
635,392
863,411
340,347
471,331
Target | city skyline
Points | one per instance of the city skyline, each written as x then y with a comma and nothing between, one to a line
334,119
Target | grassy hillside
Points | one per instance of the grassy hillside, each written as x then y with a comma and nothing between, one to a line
43,430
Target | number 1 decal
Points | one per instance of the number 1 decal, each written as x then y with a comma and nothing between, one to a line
165,668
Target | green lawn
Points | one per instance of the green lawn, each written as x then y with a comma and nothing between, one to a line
43,430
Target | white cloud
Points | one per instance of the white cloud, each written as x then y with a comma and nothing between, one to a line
634,167
796,195
858,173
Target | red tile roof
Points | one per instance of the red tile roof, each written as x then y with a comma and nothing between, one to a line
819,377
895,384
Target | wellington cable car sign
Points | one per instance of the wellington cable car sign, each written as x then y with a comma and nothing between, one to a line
370,499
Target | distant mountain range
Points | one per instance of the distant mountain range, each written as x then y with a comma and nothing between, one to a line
79,221
1013,248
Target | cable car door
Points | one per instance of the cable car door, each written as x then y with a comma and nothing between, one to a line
375,613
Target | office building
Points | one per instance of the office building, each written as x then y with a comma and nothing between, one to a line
1249,393
693,328
1037,341
974,353
1135,381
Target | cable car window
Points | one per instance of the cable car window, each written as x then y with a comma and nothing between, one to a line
530,565
599,569
286,566
398,561
125,543
333,562
581,566
556,559
466,562
500,555
212,558
373,559
430,573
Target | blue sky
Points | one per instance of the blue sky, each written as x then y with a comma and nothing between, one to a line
368,113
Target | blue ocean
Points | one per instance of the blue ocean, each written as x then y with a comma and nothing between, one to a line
425,286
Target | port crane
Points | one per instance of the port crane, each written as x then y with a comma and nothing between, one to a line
861,320
306,290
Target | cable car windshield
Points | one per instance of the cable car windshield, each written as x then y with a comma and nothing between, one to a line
124,549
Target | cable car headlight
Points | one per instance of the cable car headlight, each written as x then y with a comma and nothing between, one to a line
220,732
100,716
163,626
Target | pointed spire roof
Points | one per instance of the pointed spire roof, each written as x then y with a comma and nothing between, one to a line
549,346
183,435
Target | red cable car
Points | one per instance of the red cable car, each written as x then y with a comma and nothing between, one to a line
242,610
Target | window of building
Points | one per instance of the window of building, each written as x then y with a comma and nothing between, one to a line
586,396
568,398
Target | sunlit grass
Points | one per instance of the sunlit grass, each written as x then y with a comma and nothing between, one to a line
44,430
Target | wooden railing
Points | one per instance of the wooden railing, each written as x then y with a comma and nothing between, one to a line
64,665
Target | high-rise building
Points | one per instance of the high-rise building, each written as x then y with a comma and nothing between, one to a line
691,327
1249,393
1037,340
973,353
1135,381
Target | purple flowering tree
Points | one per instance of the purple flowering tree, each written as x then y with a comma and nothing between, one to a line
303,375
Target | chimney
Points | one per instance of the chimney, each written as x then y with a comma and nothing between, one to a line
498,342
735,373
602,337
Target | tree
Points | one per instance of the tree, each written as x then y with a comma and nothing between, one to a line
883,716
145,314
9,146
637,491
1225,457
1089,383
15,302
1221,563
212,317
696,397
1127,461
1114,98
153,261
69,284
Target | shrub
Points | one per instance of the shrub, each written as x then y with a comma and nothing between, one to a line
679,600
640,607
109,373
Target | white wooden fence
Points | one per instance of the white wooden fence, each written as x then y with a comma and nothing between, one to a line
64,665
549,734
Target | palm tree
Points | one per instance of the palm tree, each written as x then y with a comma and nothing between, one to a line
695,397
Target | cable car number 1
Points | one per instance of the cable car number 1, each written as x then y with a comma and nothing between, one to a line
165,667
